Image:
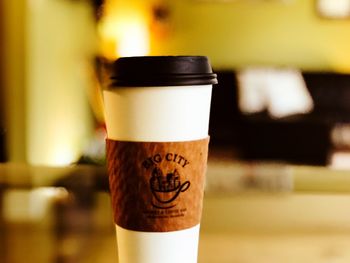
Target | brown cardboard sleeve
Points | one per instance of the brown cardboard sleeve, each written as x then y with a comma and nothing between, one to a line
157,186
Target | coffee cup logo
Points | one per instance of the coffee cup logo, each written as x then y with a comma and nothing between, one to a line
166,188
166,183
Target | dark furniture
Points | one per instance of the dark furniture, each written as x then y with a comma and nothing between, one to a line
299,139
2,145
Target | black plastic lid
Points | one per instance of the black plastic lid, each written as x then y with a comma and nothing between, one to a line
162,71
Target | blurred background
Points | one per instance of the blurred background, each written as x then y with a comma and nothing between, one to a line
280,124
283,69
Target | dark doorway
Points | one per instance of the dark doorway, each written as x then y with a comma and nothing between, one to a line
2,89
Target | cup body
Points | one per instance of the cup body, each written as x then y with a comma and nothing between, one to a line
157,114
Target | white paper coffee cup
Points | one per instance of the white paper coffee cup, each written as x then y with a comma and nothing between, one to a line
162,105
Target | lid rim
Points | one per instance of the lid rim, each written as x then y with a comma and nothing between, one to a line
162,71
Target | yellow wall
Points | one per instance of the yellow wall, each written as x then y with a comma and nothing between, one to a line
61,45
246,32
48,50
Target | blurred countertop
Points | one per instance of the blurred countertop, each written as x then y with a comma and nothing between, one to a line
253,212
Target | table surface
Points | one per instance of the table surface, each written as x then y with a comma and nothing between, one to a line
63,215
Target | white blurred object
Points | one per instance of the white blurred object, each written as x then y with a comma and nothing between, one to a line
334,8
282,92
340,157
340,160
33,205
